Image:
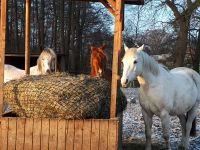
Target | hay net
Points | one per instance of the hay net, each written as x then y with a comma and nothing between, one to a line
61,96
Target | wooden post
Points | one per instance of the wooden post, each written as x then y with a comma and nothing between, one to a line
116,55
2,49
27,37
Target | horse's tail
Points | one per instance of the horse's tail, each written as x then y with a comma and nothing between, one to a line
196,79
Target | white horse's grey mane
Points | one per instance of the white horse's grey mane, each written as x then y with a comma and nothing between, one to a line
149,63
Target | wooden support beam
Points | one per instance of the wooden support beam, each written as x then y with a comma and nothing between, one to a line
112,3
116,55
106,4
27,37
2,49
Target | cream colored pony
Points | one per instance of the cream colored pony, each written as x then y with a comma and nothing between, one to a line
162,92
46,63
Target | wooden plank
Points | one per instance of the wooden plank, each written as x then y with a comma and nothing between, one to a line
53,134
37,128
116,56
103,145
70,135
20,133
87,128
28,141
27,37
95,135
112,134
45,134
61,134
12,124
2,49
4,133
78,135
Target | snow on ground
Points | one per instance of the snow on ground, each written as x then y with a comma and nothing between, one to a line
133,124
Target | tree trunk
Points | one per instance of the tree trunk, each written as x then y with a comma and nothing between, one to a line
38,23
181,45
197,55
77,50
68,33
62,49
55,25
41,26
16,27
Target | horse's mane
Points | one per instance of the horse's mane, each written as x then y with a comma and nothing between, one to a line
99,55
149,63
98,60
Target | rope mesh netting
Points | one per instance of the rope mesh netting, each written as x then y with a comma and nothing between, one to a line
61,95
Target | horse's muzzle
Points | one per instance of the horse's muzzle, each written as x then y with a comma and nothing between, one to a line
124,84
48,71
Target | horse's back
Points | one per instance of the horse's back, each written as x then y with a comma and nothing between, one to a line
12,73
190,76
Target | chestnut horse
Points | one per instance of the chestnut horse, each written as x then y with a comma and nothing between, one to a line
98,63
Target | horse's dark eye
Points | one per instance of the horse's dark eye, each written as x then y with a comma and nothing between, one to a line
135,62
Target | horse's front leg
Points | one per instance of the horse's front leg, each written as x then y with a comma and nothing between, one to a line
148,125
165,120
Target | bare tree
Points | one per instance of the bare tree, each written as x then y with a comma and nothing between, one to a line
181,24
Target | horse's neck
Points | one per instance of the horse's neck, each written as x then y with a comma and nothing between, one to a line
141,80
34,70
108,74
147,80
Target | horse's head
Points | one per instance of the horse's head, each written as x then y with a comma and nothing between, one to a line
132,64
47,61
98,61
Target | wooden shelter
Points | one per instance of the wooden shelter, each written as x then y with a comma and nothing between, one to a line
92,134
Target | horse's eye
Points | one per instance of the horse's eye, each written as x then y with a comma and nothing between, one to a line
135,62
122,65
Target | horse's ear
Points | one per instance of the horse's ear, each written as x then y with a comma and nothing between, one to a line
103,46
141,48
92,48
125,47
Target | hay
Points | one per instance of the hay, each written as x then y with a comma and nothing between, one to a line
61,96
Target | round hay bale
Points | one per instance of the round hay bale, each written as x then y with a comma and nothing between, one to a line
61,96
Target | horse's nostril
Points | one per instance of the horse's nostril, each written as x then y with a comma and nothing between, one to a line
126,81
48,71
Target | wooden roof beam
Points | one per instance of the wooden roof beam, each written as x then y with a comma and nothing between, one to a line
112,3
131,2
106,4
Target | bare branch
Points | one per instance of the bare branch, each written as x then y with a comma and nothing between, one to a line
173,8
189,3
193,6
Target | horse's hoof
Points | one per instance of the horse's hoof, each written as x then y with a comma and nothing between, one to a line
182,147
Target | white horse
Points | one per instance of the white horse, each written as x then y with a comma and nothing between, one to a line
46,63
162,92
